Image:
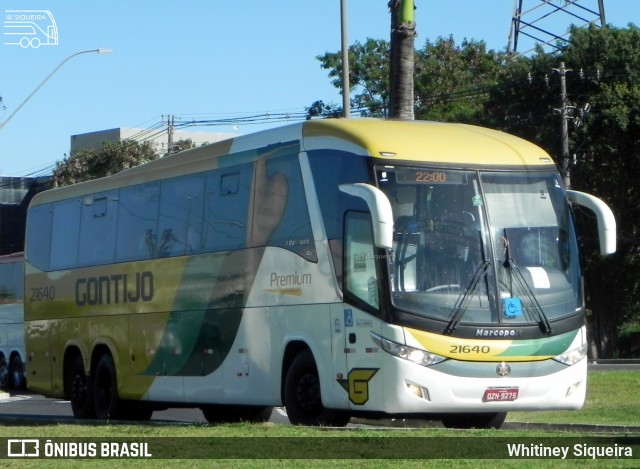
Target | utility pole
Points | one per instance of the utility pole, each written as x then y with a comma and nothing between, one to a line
170,125
565,160
346,99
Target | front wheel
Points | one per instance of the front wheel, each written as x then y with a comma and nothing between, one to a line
302,397
478,420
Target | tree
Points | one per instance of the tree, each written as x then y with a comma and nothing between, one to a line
181,145
368,77
403,33
606,74
92,163
604,103
450,80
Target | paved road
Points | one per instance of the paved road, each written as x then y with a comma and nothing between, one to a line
25,404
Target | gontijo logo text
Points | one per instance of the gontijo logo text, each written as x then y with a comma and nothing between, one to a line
30,28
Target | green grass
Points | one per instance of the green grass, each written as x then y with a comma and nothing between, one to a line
612,399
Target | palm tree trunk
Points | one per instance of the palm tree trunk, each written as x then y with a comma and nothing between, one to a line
403,33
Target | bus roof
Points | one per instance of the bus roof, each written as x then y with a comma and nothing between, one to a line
415,141
432,142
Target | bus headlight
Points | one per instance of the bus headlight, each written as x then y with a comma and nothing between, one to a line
421,357
573,356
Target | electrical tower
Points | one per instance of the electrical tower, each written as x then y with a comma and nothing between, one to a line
546,22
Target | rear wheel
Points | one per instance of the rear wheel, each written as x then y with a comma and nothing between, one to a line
17,373
105,389
78,389
302,395
478,420
235,413
4,373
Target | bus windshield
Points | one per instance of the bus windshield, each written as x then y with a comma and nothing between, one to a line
481,247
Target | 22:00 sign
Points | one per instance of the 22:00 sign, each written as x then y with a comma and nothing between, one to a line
430,176
43,294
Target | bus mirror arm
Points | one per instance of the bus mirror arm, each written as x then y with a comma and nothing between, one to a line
380,209
604,216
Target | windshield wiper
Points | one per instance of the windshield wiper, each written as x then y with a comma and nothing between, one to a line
510,264
465,298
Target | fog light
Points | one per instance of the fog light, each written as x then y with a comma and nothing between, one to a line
573,388
417,390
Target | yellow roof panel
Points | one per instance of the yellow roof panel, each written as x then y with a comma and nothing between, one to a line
431,141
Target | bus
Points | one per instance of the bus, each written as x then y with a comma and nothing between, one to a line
336,268
12,321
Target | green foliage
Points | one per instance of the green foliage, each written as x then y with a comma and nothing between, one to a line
182,145
451,81
368,75
93,163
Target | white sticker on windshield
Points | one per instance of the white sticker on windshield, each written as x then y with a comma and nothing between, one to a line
540,277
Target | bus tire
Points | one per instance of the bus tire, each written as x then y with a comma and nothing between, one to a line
474,420
16,371
78,388
302,395
106,402
235,413
4,373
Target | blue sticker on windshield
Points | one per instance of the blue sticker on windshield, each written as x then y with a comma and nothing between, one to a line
511,308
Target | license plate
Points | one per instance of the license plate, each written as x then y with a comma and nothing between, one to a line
500,394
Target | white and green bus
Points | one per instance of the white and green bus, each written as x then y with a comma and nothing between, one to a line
12,353
337,268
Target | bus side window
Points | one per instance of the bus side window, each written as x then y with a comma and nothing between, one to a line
359,262
226,208
137,222
180,226
38,237
65,233
98,228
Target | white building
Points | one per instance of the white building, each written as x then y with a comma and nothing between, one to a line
159,138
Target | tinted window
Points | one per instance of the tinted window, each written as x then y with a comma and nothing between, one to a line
65,235
39,236
281,216
98,228
226,208
181,203
330,169
138,236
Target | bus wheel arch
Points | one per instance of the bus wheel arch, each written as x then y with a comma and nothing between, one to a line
77,385
302,392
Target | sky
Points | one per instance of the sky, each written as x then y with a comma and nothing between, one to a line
206,59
